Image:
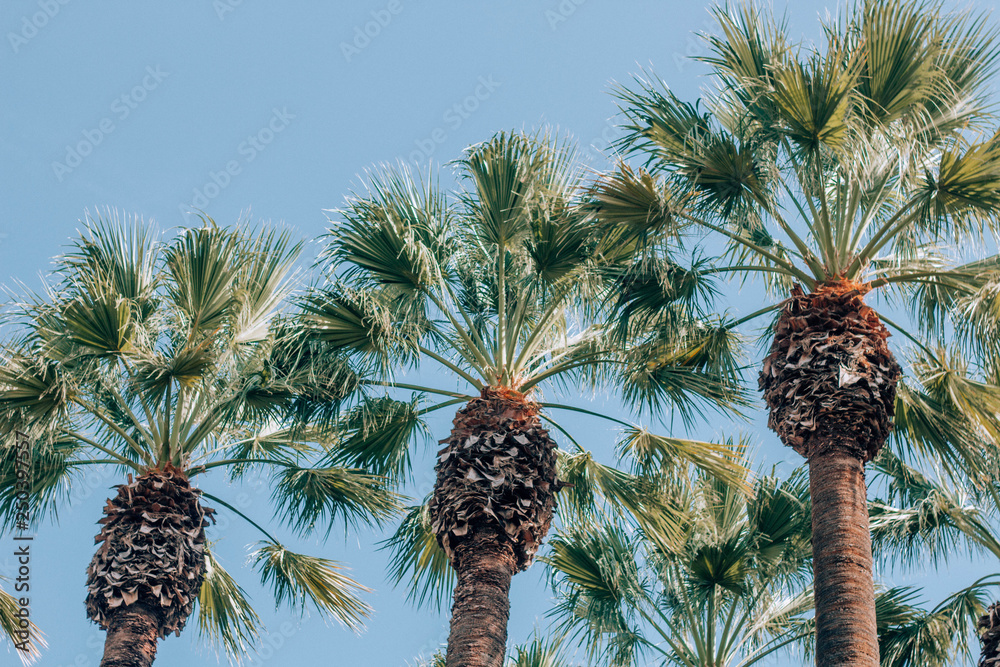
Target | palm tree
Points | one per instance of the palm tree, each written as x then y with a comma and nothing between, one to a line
729,593
165,360
836,171
734,589
917,520
989,624
498,288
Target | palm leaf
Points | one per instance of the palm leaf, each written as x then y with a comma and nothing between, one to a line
300,580
225,617
418,559
307,498
26,642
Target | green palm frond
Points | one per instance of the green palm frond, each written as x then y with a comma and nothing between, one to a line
501,171
418,559
301,580
962,194
309,498
925,519
202,265
600,560
636,206
357,321
264,280
225,617
688,370
50,471
652,452
28,641
33,392
541,651
645,499
934,429
377,435
910,635
100,322
727,593
395,235
120,253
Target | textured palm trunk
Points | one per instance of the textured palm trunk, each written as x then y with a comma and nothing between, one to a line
846,633
478,637
144,578
989,626
830,383
131,637
492,506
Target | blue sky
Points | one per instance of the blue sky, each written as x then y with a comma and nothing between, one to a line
274,110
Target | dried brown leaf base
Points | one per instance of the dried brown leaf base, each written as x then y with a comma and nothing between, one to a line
498,471
830,370
989,627
152,550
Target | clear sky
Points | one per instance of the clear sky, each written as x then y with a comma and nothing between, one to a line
275,108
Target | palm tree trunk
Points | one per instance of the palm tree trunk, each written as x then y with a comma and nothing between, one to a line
846,633
484,564
491,507
131,637
830,383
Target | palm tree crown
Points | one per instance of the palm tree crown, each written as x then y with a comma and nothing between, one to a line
502,287
165,360
834,170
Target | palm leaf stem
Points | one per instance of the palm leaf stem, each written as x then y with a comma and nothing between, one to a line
536,335
791,268
450,366
564,367
885,234
439,406
755,314
97,412
573,408
479,346
479,360
415,387
807,255
913,339
153,429
118,457
199,469
253,523
501,349
562,430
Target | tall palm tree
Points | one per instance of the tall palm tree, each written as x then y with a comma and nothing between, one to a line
735,589
729,593
163,359
835,171
497,287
